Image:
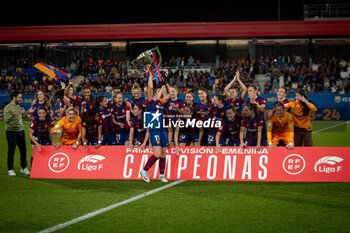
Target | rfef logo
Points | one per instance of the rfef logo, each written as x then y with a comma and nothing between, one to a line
293,164
152,120
58,162
91,163
328,164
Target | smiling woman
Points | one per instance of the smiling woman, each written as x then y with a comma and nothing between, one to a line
71,125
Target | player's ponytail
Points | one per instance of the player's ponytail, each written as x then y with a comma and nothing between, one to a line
99,100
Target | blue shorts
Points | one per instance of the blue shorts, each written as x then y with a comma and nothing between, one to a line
109,140
211,141
91,142
254,143
159,137
185,138
43,142
138,142
122,137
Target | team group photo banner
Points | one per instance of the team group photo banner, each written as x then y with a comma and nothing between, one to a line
302,164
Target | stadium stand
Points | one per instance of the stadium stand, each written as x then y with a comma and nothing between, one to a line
329,75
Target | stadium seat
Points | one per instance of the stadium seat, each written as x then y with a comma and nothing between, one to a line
4,72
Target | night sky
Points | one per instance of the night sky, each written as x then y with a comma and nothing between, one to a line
151,12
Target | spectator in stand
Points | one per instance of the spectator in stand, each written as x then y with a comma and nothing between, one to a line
109,88
190,61
267,87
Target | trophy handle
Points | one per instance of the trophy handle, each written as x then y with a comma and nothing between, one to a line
159,55
136,67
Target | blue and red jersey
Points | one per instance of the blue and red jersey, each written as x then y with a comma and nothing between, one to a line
285,101
139,131
36,107
230,129
92,129
71,102
189,131
119,113
42,128
216,114
200,107
260,100
154,106
172,111
141,100
193,104
105,116
237,103
252,128
82,108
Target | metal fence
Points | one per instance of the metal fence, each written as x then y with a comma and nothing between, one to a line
327,12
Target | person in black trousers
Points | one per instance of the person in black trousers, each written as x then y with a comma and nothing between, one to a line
13,115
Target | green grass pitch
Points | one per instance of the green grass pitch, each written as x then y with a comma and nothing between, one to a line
33,205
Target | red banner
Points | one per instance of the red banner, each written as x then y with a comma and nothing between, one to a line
312,164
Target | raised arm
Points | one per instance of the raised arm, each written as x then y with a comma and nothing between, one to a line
244,88
66,90
228,86
150,87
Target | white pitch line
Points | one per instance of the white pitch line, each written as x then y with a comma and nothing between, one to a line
135,198
108,208
330,127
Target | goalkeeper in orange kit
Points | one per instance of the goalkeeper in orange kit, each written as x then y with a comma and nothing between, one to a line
280,128
71,125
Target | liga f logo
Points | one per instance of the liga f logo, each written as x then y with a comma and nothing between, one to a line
91,163
328,164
